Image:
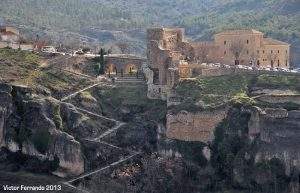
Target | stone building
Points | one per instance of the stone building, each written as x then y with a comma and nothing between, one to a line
171,57
9,34
249,47
123,64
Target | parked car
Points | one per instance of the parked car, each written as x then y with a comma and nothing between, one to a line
49,49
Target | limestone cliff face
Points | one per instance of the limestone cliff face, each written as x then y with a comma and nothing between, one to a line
198,126
279,132
30,121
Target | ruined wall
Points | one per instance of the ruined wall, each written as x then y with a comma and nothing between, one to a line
198,126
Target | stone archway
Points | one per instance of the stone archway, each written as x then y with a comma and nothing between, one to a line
131,69
111,69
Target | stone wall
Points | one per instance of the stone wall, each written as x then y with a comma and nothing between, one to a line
122,62
198,126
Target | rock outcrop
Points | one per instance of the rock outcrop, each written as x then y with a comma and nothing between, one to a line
279,132
30,122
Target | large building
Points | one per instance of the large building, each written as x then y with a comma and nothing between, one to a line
250,47
171,57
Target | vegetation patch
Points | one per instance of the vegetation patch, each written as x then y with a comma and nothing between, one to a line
131,97
213,92
279,81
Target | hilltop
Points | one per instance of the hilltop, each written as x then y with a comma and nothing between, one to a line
103,22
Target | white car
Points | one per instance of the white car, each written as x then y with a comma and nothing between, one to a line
294,71
49,49
297,69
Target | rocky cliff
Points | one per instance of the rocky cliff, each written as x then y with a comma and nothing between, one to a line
31,123
279,132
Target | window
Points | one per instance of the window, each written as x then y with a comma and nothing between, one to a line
278,51
224,52
258,51
225,42
247,41
286,51
286,63
271,51
278,63
263,51
247,51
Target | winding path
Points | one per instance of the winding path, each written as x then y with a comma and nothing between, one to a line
104,168
80,91
98,140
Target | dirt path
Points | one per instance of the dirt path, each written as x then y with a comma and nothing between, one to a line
80,91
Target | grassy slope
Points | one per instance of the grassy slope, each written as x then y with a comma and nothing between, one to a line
133,97
213,92
21,67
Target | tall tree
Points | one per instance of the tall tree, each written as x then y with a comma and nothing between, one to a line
237,48
101,62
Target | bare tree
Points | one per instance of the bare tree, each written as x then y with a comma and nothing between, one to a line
272,57
201,53
237,48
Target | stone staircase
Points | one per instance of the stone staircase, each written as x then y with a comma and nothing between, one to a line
129,79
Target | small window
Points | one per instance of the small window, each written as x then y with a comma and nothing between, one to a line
247,41
263,51
286,63
271,51
247,51
258,51
278,51
286,51
278,63
225,42
224,52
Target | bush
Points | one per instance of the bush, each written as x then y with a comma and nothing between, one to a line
56,116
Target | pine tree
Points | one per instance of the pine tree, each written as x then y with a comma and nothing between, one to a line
101,61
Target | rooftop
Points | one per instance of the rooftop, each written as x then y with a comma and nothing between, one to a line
240,31
7,33
270,41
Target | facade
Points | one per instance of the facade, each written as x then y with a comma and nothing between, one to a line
249,47
170,57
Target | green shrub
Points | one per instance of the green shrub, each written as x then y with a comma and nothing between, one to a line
243,99
56,116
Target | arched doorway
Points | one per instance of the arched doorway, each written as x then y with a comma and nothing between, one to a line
131,69
236,62
272,63
111,69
